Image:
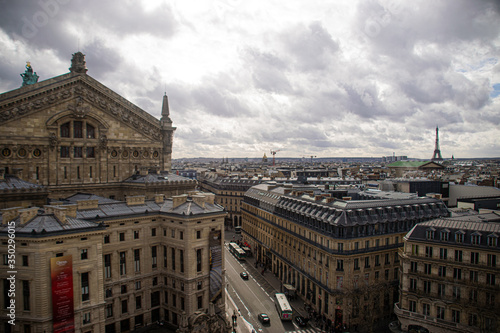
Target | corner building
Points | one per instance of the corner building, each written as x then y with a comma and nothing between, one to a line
450,277
340,255
134,263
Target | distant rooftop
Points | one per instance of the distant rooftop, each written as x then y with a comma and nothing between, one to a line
10,182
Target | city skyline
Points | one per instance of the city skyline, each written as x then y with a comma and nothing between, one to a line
363,79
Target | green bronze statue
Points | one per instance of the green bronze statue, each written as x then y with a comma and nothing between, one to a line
28,76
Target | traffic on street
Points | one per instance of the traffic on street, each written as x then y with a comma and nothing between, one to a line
255,298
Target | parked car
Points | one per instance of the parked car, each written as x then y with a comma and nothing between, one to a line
244,275
264,318
301,321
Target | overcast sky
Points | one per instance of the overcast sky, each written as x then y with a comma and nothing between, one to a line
309,78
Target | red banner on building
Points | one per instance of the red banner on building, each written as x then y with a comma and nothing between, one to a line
61,273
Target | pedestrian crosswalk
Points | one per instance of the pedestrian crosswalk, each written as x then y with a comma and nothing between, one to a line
304,330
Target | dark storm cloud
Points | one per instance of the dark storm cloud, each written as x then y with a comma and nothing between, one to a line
45,23
101,59
39,23
10,75
128,17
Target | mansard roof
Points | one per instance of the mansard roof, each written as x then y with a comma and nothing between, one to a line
325,209
453,227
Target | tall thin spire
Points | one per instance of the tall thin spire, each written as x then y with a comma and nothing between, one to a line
437,152
167,131
165,111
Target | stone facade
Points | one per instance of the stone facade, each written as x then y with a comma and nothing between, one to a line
340,255
229,192
146,261
450,276
72,133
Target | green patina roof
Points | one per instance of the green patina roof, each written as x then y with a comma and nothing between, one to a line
407,164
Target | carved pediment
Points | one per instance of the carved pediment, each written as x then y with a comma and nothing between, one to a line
86,92
26,105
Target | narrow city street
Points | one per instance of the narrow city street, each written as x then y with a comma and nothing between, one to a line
255,295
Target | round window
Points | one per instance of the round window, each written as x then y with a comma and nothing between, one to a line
22,152
136,153
125,153
114,153
6,152
37,152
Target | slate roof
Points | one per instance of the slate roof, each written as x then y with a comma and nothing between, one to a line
454,226
88,196
91,219
44,224
13,183
156,178
346,212
121,209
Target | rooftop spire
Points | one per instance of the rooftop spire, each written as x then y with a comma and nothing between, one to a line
165,112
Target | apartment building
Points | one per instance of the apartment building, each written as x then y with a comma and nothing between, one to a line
129,264
340,255
229,192
450,276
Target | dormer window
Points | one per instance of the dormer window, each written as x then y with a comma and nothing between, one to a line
475,238
430,233
445,235
459,236
492,240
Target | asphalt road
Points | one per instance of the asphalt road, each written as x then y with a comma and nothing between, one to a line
254,296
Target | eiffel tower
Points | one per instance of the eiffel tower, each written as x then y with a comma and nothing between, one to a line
437,153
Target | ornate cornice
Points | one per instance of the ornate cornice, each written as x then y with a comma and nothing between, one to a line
25,101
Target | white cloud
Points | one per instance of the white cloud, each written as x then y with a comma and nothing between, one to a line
344,78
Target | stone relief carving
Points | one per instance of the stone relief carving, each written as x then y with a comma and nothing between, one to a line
103,141
27,107
53,141
79,110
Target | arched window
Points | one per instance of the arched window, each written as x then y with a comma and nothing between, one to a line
78,129
65,130
90,131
